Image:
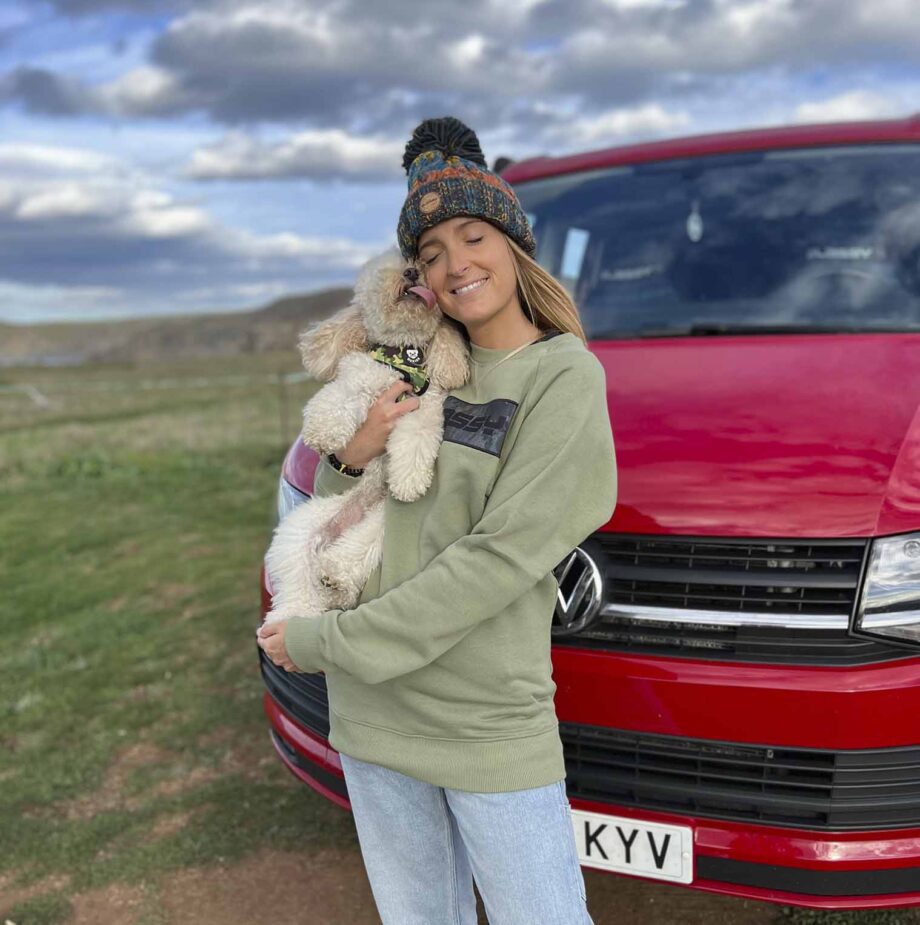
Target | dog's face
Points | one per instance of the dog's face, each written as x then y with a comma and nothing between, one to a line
397,307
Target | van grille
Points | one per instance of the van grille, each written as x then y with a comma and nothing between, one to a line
765,600
796,787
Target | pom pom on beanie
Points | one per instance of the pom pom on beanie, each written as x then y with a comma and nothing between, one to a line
448,176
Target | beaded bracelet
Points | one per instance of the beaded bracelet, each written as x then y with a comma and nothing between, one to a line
337,463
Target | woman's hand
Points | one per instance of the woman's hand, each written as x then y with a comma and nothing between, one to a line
271,641
370,439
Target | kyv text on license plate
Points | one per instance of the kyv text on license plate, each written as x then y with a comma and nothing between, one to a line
632,846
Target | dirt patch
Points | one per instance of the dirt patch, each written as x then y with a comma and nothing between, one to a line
250,760
221,735
110,794
117,604
329,887
198,775
170,593
12,895
168,825
129,547
116,904
202,550
323,887
189,611
613,899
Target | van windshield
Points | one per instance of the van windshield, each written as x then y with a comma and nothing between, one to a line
823,239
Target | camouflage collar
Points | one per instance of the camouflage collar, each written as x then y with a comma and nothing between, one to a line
408,361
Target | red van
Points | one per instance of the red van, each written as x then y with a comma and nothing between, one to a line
737,653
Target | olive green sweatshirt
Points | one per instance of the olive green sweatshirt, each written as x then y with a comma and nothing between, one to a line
442,670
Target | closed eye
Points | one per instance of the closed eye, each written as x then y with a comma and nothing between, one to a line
428,263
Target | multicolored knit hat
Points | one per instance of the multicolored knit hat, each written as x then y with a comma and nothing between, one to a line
448,176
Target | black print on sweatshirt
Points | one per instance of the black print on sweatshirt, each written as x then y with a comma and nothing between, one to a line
482,427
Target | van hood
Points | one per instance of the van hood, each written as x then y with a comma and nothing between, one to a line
809,435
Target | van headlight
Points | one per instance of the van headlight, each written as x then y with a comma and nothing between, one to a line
288,498
889,606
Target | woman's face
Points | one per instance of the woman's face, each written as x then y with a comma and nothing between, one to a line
469,267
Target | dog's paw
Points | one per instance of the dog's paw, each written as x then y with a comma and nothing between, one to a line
327,582
407,484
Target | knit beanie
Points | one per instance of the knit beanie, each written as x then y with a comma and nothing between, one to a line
448,176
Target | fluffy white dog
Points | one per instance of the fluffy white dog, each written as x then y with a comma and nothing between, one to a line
324,551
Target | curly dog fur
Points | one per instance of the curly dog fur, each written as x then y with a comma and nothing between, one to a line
323,552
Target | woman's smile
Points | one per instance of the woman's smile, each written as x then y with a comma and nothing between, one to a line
469,289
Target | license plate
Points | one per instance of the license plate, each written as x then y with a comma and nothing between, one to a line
633,846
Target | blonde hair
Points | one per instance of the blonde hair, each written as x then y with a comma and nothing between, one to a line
543,298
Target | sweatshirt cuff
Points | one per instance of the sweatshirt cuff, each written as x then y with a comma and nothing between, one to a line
327,480
302,641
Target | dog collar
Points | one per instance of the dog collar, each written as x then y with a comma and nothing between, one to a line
408,361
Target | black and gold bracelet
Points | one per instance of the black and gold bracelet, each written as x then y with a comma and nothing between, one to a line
337,463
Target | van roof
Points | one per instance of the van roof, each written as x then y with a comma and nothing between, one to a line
876,131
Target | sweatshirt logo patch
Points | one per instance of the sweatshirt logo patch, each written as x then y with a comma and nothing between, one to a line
482,427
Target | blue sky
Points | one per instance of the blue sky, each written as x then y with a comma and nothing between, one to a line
178,157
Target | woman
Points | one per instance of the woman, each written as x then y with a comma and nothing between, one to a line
440,680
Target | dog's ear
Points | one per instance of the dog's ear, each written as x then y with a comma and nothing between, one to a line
448,361
325,342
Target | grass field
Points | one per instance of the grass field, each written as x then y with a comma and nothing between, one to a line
132,524
134,511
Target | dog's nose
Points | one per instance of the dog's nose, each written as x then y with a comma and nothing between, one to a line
411,274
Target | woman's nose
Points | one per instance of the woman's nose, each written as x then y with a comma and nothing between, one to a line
411,274
456,267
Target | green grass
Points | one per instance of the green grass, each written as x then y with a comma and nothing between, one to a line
132,525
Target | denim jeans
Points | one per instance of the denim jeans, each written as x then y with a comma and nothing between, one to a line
422,846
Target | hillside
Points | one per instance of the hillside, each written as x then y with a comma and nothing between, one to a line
149,340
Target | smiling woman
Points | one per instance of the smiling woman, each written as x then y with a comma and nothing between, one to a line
470,269
439,680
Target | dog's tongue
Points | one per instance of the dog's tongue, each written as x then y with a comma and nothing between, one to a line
425,294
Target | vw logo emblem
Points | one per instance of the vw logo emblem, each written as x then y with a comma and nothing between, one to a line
580,593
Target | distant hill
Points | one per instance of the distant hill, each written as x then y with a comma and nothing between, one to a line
148,340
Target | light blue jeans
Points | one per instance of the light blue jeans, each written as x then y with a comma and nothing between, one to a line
422,846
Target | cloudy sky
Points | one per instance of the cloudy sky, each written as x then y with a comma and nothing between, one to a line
170,156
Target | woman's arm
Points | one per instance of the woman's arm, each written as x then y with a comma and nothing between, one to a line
369,441
558,485
327,480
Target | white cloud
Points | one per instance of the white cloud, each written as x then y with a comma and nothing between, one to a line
167,222
467,52
616,126
752,19
626,5
341,252
852,105
35,158
316,153
142,90
86,239
63,200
